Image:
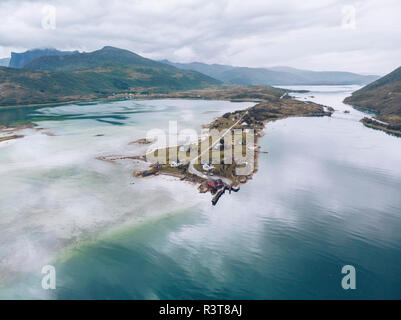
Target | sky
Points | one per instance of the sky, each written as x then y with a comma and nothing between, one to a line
343,35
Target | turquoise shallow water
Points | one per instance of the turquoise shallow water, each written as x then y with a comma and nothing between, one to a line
327,194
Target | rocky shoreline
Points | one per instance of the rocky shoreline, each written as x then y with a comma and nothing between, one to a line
10,133
379,125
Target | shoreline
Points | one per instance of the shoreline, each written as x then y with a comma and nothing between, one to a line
389,124
194,94
9,133
373,124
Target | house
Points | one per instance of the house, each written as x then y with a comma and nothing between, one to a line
212,184
215,184
207,166
174,164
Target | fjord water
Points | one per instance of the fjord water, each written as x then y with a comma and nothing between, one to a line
327,194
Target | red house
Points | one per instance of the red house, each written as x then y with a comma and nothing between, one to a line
211,184
215,184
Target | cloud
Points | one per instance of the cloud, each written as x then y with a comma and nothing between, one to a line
303,34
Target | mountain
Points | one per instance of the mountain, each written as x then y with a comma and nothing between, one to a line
4,62
382,97
86,76
328,77
237,75
125,69
274,76
19,60
89,61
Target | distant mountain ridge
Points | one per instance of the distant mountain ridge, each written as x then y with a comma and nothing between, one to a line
274,76
91,60
93,75
4,62
19,60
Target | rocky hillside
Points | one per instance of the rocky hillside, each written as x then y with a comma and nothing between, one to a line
384,98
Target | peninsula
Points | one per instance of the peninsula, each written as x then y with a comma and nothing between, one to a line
271,104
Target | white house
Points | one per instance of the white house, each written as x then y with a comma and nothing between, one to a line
242,162
174,164
207,167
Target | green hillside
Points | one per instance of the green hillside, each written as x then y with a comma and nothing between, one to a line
383,97
86,76
391,78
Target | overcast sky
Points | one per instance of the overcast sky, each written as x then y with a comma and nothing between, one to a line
309,34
